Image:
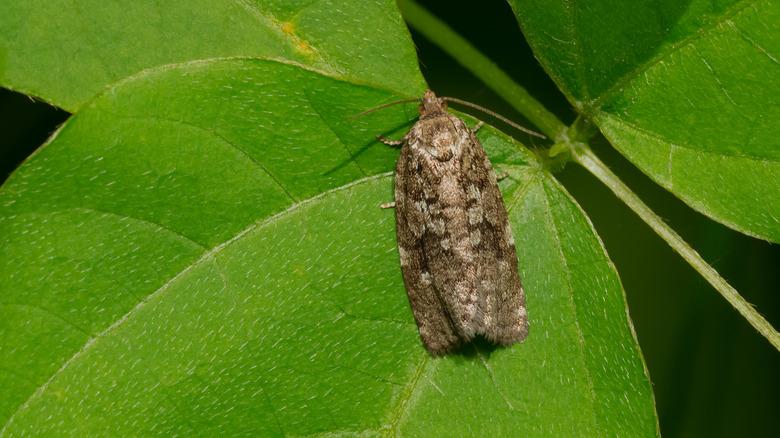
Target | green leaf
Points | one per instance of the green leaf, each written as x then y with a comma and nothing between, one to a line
200,250
65,53
687,91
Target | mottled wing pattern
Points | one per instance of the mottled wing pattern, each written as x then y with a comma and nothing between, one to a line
445,242
501,315
433,319
457,253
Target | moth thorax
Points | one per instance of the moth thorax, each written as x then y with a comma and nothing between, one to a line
439,140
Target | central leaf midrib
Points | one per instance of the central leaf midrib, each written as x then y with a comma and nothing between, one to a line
206,256
570,288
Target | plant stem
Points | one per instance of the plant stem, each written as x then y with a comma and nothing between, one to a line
584,156
480,65
573,139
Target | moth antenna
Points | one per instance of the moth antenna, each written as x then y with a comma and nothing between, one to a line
383,106
496,115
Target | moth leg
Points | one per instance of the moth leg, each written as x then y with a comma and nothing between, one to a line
477,126
500,176
387,205
389,141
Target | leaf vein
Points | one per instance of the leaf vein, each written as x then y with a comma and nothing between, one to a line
273,23
222,138
659,137
571,12
570,288
714,76
409,392
138,219
752,42
205,257
492,378
619,84
350,154
50,313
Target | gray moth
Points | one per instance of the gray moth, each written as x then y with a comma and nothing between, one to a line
455,243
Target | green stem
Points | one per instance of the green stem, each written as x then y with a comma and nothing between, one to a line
573,139
584,156
480,65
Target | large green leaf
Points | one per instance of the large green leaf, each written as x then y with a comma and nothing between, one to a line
65,52
200,250
688,91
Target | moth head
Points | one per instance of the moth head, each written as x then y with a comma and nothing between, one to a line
432,105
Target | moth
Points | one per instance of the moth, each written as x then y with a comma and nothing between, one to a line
455,243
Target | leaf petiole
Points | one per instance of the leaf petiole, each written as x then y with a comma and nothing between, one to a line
583,155
573,138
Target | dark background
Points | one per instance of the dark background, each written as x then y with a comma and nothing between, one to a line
713,374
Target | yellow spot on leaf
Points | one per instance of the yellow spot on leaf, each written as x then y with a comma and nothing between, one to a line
288,27
304,47
300,45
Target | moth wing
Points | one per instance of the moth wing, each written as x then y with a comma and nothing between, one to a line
433,321
502,316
